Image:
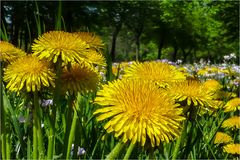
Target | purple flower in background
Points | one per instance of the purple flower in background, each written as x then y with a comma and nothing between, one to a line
46,102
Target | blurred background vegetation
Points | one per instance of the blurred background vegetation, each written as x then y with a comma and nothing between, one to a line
133,30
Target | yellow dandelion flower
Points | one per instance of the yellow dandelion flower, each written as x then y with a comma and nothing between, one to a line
212,85
58,44
184,71
93,40
91,57
221,137
208,70
224,95
217,104
232,148
214,69
202,72
232,105
233,122
124,64
95,58
9,52
161,73
191,91
137,110
80,78
225,71
29,73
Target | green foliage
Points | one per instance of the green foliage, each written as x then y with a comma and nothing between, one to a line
195,26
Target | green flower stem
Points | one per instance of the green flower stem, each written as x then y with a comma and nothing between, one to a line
179,141
129,151
58,24
3,148
37,123
56,102
77,140
8,146
96,145
28,148
68,125
2,129
72,131
35,145
116,150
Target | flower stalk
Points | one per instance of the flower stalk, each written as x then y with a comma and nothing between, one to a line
2,130
8,146
72,132
37,127
179,141
116,150
68,124
129,151
56,102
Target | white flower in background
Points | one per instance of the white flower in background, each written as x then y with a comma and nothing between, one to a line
229,57
236,68
232,56
131,62
226,57
102,74
179,61
81,151
164,60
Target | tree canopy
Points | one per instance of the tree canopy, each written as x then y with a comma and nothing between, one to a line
187,30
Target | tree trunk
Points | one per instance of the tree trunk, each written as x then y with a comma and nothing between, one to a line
174,56
138,35
193,58
16,23
137,48
160,46
114,39
184,55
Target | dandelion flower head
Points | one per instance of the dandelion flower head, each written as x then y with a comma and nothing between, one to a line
9,52
212,85
223,95
95,43
233,122
59,44
91,39
137,110
221,137
80,77
192,92
232,148
95,58
159,72
28,73
232,105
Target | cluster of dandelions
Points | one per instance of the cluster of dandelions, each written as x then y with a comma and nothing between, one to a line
152,99
32,72
148,105
62,63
